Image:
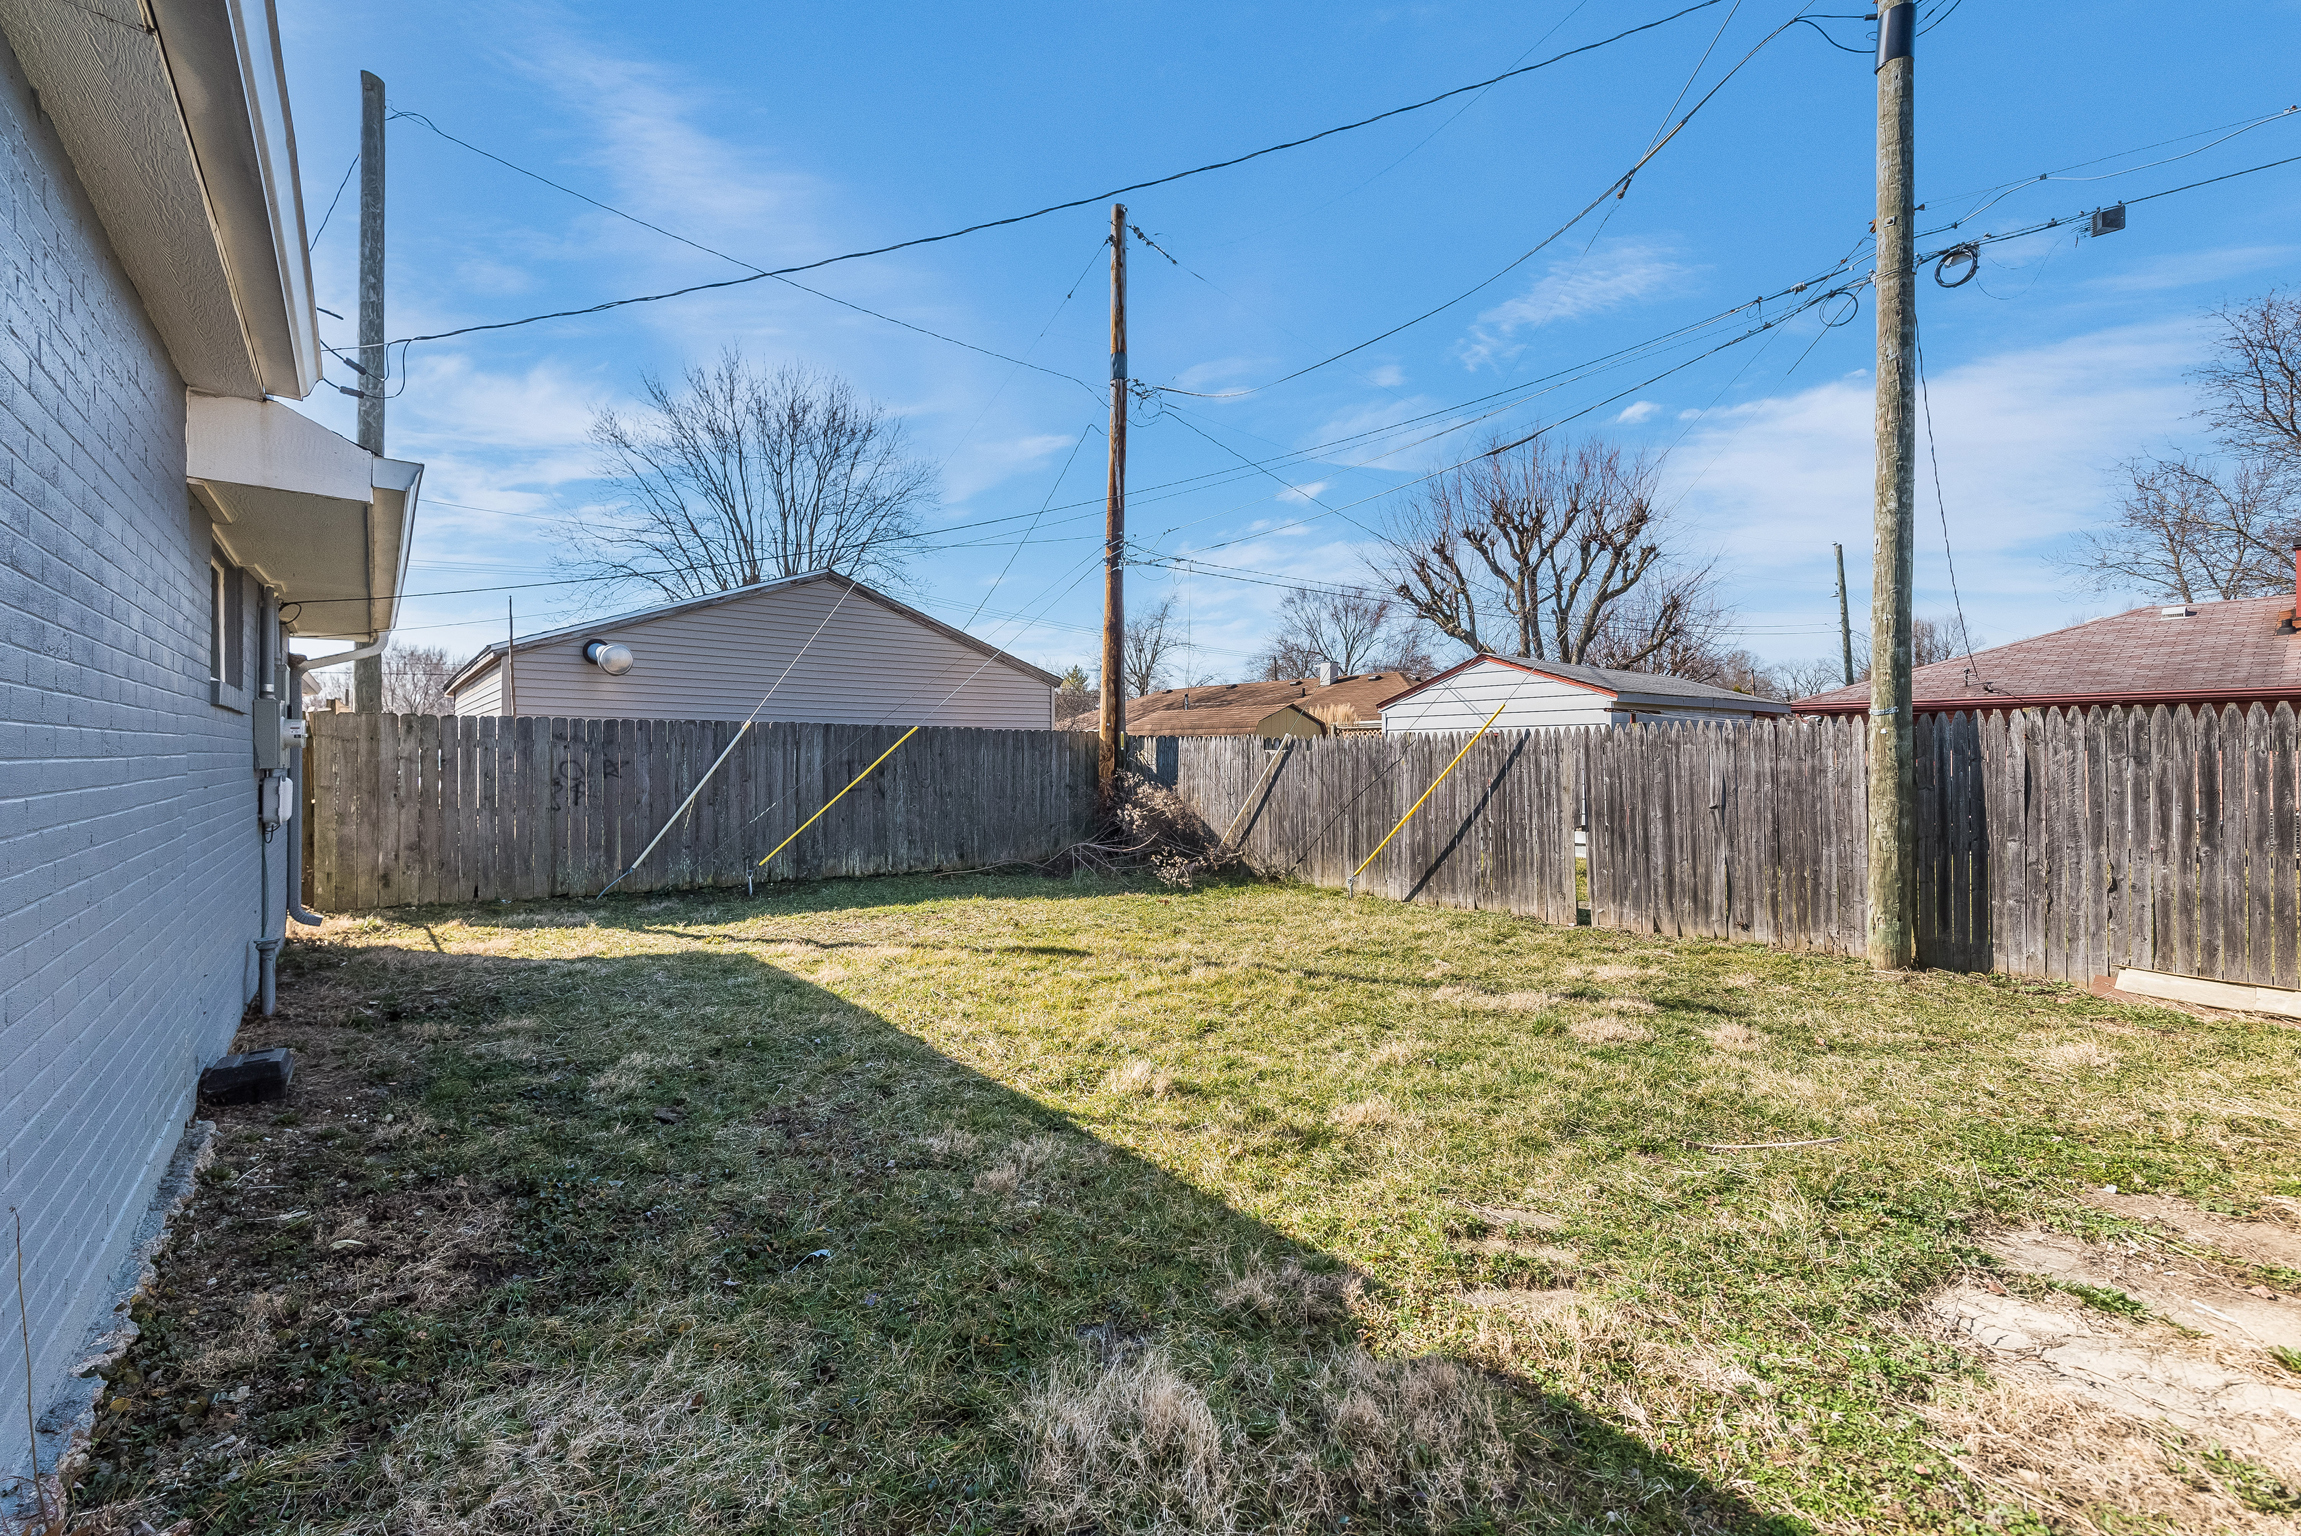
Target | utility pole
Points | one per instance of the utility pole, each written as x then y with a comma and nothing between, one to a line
1845,617
1114,712
1892,738
367,674
510,650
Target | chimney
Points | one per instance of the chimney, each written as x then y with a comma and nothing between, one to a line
1327,669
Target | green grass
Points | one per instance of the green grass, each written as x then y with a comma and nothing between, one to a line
1248,1208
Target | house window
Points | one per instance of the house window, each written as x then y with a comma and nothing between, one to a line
227,632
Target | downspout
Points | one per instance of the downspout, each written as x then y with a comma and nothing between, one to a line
297,666
267,947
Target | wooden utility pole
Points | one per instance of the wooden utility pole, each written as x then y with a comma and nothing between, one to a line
1845,616
367,674
1892,739
510,648
1114,711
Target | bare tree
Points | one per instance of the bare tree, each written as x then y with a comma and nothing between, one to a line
1801,679
415,680
1149,646
1551,550
1942,638
737,477
1939,637
2192,529
2253,388
2192,532
1357,630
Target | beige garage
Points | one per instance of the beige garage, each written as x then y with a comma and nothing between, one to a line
817,647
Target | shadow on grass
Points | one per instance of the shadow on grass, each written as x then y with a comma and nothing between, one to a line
689,1241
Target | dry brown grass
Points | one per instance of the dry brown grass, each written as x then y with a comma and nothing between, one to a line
1142,1079
1372,1114
1607,1030
2085,1469
1290,1293
1397,1053
1497,1002
1137,1445
1733,1036
2077,1056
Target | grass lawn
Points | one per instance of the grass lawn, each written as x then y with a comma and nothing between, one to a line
1014,1204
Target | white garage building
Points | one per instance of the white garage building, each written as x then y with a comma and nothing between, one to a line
1538,695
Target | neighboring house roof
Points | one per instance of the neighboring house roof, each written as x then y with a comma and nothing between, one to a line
1235,709
2207,653
1631,690
492,656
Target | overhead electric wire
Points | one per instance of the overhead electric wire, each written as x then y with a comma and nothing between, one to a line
2005,190
1419,144
331,213
1619,187
1183,485
752,267
1077,202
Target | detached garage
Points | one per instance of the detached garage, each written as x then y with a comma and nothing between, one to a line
818,648
1544,695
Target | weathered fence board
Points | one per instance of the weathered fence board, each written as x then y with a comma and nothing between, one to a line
2051,843
423,808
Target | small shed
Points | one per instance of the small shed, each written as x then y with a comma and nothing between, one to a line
818,647
1538,695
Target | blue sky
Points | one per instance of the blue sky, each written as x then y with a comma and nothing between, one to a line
785,133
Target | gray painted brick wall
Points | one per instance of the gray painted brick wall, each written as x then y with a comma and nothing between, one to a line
128,840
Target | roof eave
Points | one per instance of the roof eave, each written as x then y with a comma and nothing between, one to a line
2277,692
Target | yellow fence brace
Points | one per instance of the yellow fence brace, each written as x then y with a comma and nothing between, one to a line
841,795
1351,885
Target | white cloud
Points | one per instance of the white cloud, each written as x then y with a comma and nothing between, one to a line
2026,439
1572,289
1636,411
1221,371
1306,492
1386,376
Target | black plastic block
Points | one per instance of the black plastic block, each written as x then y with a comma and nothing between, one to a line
249,1079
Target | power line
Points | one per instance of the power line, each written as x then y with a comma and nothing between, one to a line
1177,487
1077,202
331,213
1618,188
2005,190
751,267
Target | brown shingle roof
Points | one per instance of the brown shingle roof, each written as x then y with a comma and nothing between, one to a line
1235,709
2221,652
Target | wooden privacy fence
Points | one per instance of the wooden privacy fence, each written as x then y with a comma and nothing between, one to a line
2050,843
429,808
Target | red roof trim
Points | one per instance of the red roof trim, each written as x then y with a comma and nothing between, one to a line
2063,700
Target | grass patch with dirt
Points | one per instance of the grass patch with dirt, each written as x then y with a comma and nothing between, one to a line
1008,1204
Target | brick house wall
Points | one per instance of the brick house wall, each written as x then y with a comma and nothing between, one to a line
128,838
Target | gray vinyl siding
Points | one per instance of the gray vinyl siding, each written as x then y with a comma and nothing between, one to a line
827,660
128,839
